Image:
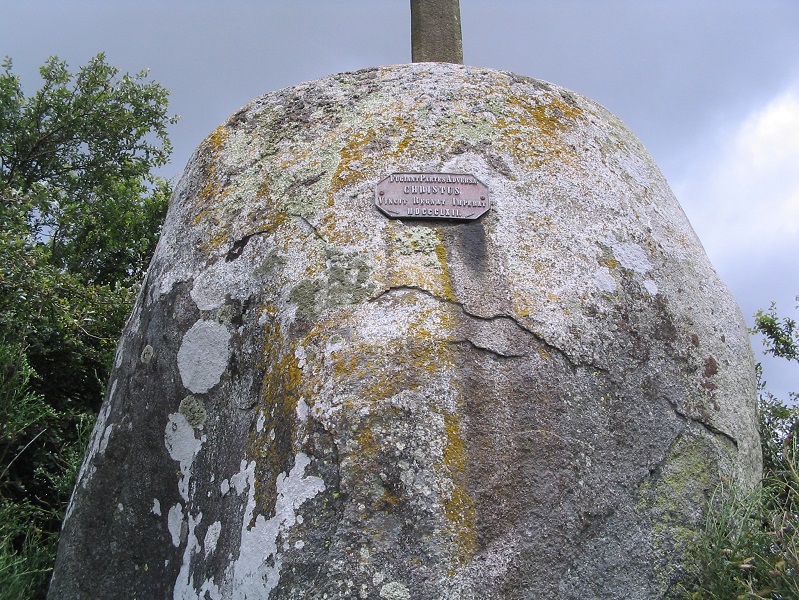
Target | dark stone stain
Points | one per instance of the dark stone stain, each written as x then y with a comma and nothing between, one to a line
237,248
711,367
302,184
470,239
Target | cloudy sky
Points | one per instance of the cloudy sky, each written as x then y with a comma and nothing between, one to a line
711,87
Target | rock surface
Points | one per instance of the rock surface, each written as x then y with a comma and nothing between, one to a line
312,400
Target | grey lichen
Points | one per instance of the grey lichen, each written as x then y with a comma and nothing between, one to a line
395,591
416,239
272,262
346,281
305,294
147,354
194,411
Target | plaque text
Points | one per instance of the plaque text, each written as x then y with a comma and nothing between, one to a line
432,196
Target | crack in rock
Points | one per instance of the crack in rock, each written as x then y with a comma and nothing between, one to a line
237,248
502,318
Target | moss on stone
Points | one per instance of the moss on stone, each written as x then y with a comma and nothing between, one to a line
416,239
193,410
345,281
674,500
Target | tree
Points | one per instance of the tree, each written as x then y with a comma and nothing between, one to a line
80,213
78,153
780,336
779,420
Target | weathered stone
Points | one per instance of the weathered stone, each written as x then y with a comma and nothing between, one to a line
312,400
436,31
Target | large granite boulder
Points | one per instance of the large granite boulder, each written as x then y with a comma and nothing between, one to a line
313,400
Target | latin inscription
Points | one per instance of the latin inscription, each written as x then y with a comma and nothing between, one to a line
432,196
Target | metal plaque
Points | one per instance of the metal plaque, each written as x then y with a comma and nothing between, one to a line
432,196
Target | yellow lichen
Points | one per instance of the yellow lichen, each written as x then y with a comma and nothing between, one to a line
445,280
273,443
531,129
215,144
347,173
459,507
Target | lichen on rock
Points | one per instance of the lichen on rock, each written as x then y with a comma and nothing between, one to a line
337,404
193,411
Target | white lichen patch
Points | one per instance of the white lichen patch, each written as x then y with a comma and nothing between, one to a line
302,410
604,280
239,481
120,354
394,590
223,279
633,257
203,355
301,356
184,585
105,438
651,287
257,568
211,537
395,317
156,509
210,591
183,447
174,523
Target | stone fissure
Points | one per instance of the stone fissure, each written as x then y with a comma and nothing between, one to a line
491,351
238,247
549,347
312,227
536,336
709,427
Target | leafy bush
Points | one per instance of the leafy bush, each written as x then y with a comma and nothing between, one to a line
80,213
27,536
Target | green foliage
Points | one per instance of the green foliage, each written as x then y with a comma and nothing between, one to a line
780,336
750,545
22,411
80,214
779,425
26,553
27,424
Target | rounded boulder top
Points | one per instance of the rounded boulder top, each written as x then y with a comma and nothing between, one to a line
349,395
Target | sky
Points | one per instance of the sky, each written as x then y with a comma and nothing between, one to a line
711,88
